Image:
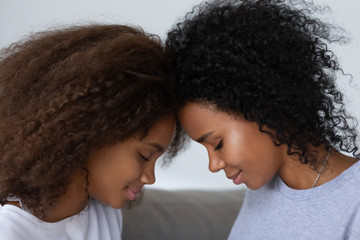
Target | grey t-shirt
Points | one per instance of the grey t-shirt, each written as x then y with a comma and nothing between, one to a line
329,211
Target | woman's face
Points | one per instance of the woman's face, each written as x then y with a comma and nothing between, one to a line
233,144
119,172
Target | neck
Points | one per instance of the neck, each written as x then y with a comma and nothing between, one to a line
72,202
64,208
302,176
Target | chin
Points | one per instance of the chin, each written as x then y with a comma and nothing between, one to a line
254,186
118,205
114,204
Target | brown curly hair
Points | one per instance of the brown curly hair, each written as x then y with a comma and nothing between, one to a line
66,92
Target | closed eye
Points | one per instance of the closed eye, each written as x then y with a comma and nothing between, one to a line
143,157
219,146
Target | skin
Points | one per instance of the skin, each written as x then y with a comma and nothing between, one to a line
119,172
249,156
115,173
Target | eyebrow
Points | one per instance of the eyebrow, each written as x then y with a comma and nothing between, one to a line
158,147
204,136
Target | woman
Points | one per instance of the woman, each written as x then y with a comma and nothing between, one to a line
85,113
256,82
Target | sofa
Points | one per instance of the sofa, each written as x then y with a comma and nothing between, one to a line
182,215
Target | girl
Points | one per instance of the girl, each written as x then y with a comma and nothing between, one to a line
85,113
257,86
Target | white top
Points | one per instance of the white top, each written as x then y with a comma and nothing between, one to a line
328,211
96,221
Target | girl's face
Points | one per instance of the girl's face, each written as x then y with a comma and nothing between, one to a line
233,144
119,172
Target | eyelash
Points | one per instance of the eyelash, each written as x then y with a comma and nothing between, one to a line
143,158
219,146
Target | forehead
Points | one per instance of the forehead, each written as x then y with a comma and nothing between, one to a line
161,132
197,118
194,110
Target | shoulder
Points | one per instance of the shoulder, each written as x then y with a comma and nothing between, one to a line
13,225
105,217
103,210
265,192
348,182
353,230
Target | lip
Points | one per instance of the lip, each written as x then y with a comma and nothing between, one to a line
236,178
132,193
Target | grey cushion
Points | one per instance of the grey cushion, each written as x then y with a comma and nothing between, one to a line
178,215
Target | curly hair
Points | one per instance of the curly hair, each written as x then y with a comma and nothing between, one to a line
267,61
66,92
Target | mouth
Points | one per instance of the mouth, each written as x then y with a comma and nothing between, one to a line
132,192
236,178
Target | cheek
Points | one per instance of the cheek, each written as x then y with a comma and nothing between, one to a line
116,174
260,169
236,154
241,147
257,159
122,175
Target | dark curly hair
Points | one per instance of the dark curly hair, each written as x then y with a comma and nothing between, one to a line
66,92
268,61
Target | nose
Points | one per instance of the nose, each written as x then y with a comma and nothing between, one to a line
148,175
215,163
